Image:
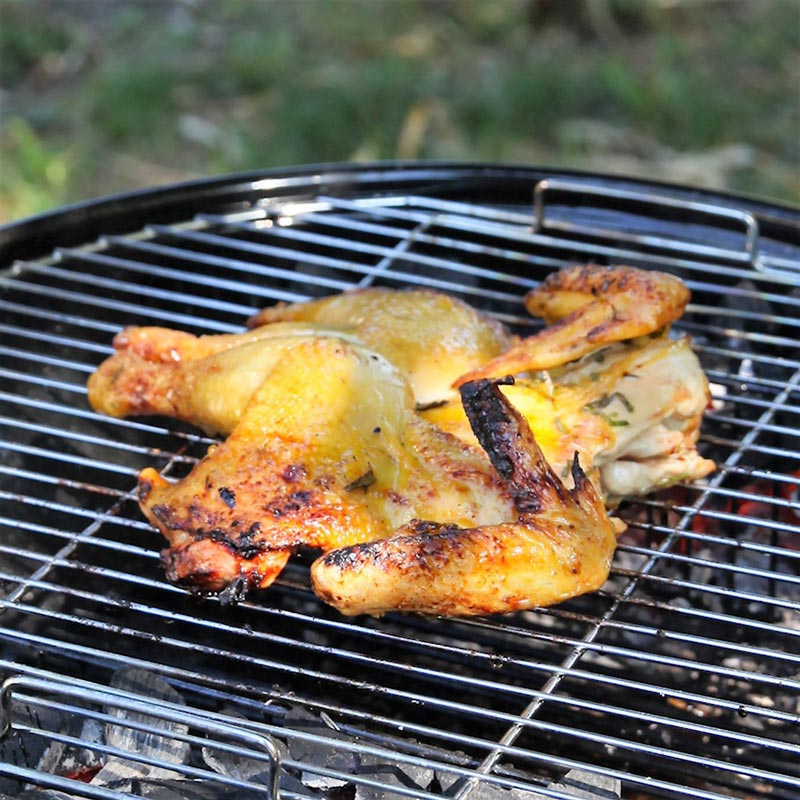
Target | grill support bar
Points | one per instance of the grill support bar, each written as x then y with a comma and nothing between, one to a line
259,745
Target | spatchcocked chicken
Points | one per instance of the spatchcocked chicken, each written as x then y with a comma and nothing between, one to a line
345,433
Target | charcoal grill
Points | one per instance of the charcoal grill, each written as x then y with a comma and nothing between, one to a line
680,678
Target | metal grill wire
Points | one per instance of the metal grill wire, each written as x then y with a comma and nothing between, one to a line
679,678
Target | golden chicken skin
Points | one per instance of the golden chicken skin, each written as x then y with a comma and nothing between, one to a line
433,337
205,380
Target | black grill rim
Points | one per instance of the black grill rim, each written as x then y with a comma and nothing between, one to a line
74,224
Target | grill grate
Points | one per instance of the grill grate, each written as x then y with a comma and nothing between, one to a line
679,678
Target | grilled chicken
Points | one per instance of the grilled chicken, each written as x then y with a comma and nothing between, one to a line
328,452
558,543
326,449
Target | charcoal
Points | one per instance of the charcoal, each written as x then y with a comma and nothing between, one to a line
484,791
28,749
166,747
73,760
117,770
322,753
489,791
63,759
576,783
184,790
316,780
290,784
748,583
40,794
234,766
250,769
444,781
409,776
19,749
588,785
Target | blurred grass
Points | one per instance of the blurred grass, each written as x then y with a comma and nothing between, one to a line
101,96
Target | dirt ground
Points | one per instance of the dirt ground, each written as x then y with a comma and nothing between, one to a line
100,97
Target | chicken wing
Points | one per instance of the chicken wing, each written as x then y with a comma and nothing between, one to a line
586,307
559,544
329,451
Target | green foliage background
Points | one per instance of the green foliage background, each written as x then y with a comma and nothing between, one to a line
101,96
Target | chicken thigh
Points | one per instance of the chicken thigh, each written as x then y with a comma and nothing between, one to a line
329,451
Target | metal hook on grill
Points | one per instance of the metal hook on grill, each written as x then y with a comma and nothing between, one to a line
640,202
258,746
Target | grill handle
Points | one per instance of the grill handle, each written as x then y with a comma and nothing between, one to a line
713,214
257,745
